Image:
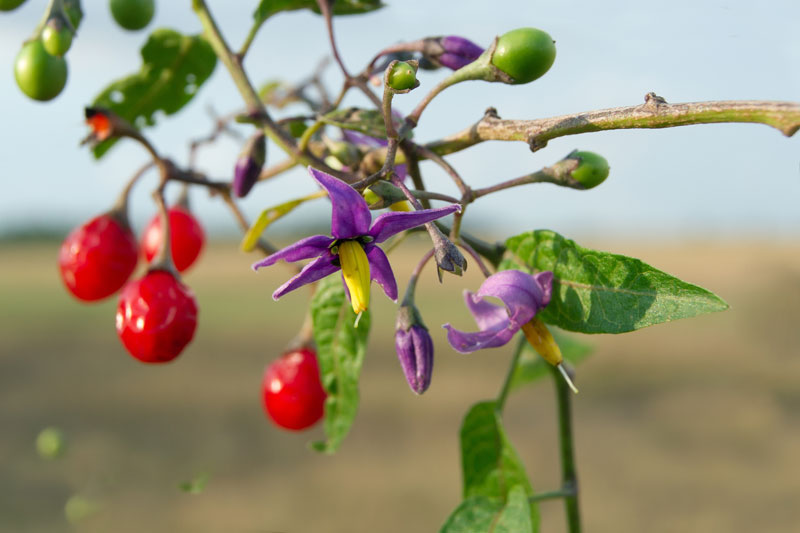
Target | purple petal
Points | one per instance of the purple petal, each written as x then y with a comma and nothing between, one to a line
389,224
486,313
302,249
461,46
350,215
545,281
381,273
315,270
354,137
453,61
519,291
464,342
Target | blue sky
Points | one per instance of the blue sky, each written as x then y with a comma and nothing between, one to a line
715,180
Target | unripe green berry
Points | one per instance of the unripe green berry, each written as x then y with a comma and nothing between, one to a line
39,75
56,37
133,14
402,76
525,54
8,5
50,443
592,169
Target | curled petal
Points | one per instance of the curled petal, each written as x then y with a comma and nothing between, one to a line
389,224
315,270
486,314
350,217
520,292
381,271
497,335
303,249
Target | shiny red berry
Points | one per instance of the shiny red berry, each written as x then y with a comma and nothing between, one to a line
156,317
291,392
97,258
186,237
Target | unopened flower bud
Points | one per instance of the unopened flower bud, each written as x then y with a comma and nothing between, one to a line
458,52
249,165
414,348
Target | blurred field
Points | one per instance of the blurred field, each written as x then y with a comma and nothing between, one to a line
691,426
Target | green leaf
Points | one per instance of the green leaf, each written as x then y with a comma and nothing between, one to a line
479,514
531,366
599,292
367,121
340,348
267,8
196,485
174,66
491,470
270,215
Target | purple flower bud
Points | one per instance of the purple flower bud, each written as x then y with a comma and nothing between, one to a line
414,349
249,165
458,52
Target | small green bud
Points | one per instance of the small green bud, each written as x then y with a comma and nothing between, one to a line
402,76
50,443
592,169
56,37
525,54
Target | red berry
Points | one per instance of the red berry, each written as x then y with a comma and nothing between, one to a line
156,317
186,237
96,259
292,393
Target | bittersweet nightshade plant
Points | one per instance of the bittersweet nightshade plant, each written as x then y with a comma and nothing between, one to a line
352,248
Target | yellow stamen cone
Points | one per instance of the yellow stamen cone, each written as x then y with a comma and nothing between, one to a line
543,342
355,269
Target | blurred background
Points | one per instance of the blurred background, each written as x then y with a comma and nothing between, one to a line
687,426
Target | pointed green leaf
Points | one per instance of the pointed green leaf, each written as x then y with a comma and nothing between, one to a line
340,348
267,8
174,66
491,469
600,292
196,485
531,366
482,515
270,215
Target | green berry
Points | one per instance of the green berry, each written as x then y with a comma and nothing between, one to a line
8,5
592,169
133,14
50,443
525,54
402,76
39,75
56,37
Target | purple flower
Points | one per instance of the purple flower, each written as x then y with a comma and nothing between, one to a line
523,296
458,52
414,348
353,246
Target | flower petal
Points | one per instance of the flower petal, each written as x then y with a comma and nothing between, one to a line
389,224
354,137
316,269
350,215
486,313
519,291
302,249
497,335
381,271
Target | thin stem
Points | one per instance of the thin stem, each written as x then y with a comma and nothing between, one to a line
263,245
325,9
500,403
163,258
251,35
408,298
120,208
492,252
654,113
436,158
569,474
551,495
558,174
467,248
276,169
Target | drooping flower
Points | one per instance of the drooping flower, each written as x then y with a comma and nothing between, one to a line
523,295
352,248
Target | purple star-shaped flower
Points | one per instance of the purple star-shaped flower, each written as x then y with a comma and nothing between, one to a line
350,223
523,296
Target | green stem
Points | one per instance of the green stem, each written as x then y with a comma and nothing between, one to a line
550,495
500,403
569,476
